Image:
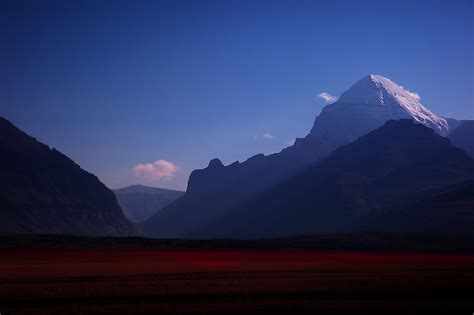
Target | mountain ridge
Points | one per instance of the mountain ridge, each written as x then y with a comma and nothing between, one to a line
390,168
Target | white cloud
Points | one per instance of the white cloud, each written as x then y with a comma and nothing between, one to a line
412,94
268,136
327,98
156,171
291,142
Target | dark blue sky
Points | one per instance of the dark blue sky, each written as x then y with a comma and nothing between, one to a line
116,84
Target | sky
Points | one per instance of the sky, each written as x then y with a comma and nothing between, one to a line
144,92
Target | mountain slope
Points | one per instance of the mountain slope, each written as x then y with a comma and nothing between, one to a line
44,192
386,170
217,189
141,202
463,137
449,211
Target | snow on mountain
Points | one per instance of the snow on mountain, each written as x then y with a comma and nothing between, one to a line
392,101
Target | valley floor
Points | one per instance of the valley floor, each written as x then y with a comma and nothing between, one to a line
233,281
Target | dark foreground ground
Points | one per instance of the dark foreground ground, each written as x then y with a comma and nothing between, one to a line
44,275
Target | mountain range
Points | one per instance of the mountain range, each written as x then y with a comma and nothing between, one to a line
218,190
375,160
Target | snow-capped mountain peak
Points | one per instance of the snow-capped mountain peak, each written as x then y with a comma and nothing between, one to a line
394,100
374,89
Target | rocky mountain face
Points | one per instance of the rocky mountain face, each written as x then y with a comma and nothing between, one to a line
217,189
463,137
357,188
141,202
44,192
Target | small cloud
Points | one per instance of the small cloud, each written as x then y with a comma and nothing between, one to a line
156,171
268,136
415,95
291,142
412,94
327,98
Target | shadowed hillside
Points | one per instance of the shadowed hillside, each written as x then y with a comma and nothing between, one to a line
463,137
44,192
357,188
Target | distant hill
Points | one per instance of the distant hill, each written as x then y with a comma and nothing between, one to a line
463,137
362,185
141,202
42,191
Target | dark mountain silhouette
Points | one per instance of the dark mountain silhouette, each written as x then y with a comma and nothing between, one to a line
450,211
217,189
141,202
463,137
44,192
354,189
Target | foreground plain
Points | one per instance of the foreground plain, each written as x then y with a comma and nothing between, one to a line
59,280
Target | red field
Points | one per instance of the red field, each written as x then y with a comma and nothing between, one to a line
234,281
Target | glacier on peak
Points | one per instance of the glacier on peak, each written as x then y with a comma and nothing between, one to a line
384,98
